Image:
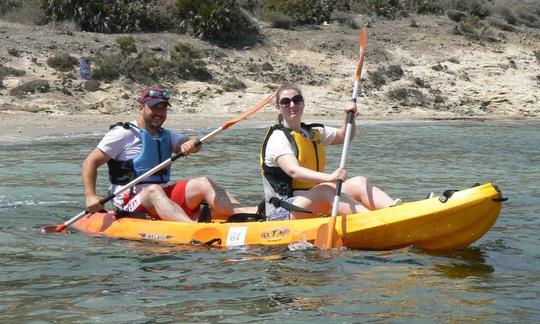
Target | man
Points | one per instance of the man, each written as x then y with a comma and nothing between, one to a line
131,149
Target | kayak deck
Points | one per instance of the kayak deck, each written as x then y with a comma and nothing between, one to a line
428,224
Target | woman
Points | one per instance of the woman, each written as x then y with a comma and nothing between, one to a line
292,159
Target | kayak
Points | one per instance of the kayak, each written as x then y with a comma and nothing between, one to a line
453,220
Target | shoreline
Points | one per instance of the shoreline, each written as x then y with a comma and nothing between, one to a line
29,126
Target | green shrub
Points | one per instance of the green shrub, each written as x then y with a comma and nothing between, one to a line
185,62
345,19
110,16
23,12
13,52
216,20
456,15
233,84
438,99
425,7
385,8
277,19
127,45
395,72
108,67
62,62
5,71
497,23
529,19
516,12
339,5
146,67
475,29
479,8
377,77
408,96
35,86
301,12
420,83
249,5
7,5
438,67
507,14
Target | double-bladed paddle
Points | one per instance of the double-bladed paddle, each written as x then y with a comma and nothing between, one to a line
207,138
327,236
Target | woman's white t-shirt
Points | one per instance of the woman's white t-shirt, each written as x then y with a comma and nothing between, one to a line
278,144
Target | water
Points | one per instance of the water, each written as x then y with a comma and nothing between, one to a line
74,277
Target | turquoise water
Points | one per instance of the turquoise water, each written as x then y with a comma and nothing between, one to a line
74,277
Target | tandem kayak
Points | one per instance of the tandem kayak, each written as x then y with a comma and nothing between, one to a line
452,220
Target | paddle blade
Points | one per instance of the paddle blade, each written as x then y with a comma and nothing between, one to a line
53,229
362,52
248,113
322,238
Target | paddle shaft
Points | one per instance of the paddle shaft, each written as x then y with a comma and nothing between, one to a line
339,184
207,138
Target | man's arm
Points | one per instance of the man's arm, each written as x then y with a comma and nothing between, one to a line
89,175
188,146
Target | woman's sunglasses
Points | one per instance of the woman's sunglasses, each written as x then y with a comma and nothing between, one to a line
287,101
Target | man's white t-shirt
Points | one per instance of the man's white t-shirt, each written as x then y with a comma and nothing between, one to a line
278,144
125,144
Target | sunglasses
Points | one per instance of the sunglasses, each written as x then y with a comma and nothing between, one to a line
287,101
158,93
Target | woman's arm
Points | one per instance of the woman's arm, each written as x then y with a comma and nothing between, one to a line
340,135
289,164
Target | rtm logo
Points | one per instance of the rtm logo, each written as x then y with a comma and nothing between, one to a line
275,234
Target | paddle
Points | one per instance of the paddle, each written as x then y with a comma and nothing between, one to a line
164,164
327,236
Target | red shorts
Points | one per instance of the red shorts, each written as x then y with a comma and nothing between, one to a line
176,192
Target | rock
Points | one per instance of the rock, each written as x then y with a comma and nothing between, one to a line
91,85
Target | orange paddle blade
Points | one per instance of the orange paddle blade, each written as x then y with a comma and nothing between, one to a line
362,53
248,113
323,236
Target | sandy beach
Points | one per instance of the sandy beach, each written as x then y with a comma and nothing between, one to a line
450,79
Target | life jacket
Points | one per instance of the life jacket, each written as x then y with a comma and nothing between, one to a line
308,150
154,150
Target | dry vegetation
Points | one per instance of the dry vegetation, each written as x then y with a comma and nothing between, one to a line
422,55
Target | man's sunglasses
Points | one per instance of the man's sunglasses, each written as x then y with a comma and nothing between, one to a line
287,101
158,93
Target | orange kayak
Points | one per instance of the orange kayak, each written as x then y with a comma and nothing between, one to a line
451,221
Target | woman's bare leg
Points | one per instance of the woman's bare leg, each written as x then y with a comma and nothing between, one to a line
361,189
320,198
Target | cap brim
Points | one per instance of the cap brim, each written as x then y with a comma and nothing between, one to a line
153,102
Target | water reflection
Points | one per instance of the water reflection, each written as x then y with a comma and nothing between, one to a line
460,264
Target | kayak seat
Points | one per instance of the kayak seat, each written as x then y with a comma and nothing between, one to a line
119,213
246,217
